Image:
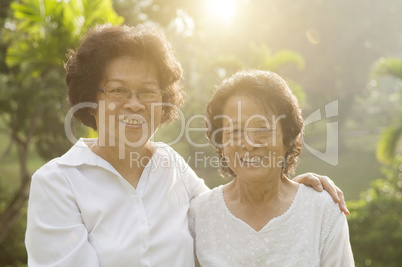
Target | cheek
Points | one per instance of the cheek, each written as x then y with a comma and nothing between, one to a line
158,113
229,152
155,115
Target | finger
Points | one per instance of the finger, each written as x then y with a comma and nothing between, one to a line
309,179
330,187
342,203
315,182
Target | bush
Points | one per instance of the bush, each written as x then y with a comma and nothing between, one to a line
375,222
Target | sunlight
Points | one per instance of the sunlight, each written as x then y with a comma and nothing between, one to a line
221,9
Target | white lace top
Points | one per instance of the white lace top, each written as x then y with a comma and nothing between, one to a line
312,232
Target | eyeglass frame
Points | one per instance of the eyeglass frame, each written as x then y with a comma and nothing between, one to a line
136,93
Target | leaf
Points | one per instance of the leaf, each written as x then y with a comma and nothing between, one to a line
388,66
47,28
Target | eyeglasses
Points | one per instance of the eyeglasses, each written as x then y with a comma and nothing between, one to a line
122,94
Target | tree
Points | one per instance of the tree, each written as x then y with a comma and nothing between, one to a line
387,149
375,222
32,96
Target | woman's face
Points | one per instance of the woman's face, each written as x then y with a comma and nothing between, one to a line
252,138
129,120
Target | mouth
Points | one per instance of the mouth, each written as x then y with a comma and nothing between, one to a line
252,160
132,121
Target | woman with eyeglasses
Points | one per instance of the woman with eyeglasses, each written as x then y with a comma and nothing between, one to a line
261,217
119,199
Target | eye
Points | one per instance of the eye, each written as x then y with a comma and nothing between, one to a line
118,90
149,92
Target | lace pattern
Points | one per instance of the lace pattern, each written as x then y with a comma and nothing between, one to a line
293,239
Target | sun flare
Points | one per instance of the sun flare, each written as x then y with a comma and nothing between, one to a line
221,9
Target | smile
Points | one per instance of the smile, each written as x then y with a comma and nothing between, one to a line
255,159
132,122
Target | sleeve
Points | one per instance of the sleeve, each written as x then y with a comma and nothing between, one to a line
56,235
191,226
194,184
337,250
191,219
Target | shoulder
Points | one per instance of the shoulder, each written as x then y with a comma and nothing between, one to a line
60,167
321,200
52,176
50,168
166,159
321,207
164,149
166,153
206,199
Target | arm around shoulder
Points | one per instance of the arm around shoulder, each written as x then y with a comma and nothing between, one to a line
55,232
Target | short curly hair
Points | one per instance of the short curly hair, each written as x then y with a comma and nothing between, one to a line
269,89
103,43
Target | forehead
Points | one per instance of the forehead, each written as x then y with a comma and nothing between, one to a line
130,70
246,108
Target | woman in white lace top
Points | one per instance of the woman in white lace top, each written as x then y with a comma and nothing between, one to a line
262,218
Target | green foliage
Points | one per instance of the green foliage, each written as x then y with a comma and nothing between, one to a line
388,66
45,29
33,94
388,146
36,88
376,223
262,57
13,253
389,142
376,219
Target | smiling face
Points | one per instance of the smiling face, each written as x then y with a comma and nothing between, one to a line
252,139
129,121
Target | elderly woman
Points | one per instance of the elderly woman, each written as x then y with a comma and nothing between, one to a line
261,218
109,201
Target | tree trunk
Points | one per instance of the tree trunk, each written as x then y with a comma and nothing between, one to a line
12,211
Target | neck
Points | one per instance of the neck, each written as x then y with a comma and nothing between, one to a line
124,156
258,192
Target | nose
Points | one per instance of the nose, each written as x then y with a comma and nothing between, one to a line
134,104
247,143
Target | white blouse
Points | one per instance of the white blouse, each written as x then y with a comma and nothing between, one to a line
312,232
82,212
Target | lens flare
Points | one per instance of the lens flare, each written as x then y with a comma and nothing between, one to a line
221,9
